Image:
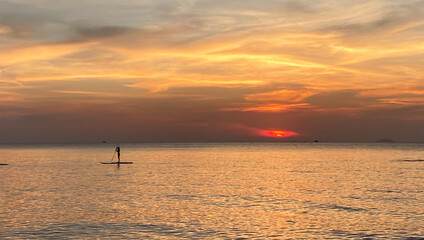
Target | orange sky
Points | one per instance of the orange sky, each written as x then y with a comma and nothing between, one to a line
211,70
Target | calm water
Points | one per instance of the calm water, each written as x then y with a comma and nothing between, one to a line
213,191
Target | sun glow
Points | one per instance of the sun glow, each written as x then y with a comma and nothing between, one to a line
277,133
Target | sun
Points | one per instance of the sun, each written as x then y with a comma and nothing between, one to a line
277,133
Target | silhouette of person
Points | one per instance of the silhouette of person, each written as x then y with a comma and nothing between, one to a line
118,150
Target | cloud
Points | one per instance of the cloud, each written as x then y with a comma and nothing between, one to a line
281,96
392,19
344,98
92,33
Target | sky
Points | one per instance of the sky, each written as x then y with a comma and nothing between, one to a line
211,70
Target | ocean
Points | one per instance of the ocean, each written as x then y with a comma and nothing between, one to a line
213,191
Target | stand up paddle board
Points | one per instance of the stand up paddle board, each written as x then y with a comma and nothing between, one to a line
117,150
116,162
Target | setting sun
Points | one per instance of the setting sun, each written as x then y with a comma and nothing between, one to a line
277,133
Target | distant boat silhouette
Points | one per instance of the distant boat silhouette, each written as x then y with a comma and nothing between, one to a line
117,150
3,164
